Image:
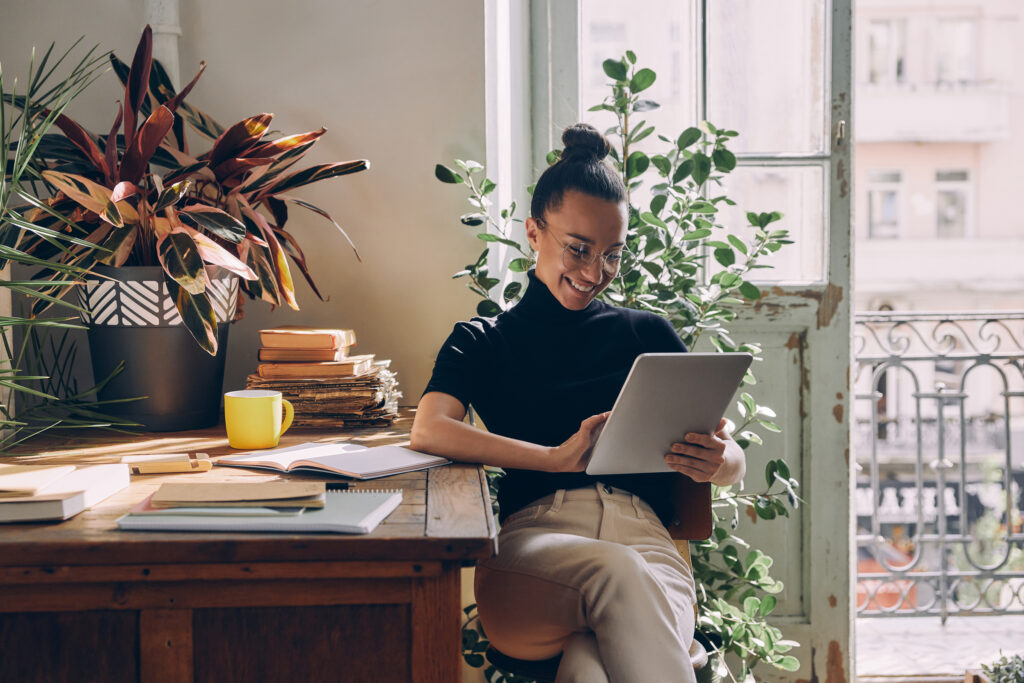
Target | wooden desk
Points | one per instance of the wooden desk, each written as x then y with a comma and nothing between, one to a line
83,601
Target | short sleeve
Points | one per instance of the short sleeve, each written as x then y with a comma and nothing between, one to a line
661,337
458,363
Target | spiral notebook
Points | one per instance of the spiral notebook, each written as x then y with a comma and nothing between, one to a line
344,512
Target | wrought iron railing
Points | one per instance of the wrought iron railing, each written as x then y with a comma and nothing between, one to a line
939,445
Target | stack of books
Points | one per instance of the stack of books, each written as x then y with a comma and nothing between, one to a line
326,385
30,493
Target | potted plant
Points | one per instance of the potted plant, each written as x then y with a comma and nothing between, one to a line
689,268
171,238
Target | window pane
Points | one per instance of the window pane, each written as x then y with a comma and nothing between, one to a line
766,73
662,34
956,51
951,207
798,193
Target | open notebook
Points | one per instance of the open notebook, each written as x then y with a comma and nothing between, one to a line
344,512
346,459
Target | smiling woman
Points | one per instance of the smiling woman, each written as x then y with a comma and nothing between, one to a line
583,561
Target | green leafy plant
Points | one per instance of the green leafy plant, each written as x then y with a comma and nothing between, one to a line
1005,670
139,197
48,394
682,264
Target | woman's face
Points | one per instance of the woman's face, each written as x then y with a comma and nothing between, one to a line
579,220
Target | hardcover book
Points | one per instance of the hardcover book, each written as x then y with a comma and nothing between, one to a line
301,337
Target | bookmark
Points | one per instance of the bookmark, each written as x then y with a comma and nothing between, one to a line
166,463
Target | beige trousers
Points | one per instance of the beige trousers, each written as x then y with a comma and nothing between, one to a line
593,574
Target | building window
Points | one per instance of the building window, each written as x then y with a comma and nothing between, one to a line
955,50
887,51
884,199
952,203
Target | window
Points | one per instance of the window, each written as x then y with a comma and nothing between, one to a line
884,200
887,51
756,66
956,52
952,203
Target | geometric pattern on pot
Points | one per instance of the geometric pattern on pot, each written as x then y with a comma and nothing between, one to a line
147,303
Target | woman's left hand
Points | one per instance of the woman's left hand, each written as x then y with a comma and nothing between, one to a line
708,457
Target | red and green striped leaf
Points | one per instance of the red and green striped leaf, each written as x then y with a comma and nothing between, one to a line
316,173
88,194
259,179
200,122
172,195
138,84
293,250
275,147
265,285
317,210
83,141
216,255
181,260
179,174
197,314
237,139
120,242
229,168
220,223
140,150
279,262
110,153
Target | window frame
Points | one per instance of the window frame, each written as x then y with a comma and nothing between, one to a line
556,39
967,187
896,186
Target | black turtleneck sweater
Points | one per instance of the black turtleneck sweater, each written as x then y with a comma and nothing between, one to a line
536,371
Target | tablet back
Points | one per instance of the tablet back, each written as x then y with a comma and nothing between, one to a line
666,396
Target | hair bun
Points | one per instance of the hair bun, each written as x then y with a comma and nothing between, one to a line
583,142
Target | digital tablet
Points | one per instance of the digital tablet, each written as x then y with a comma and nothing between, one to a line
665,397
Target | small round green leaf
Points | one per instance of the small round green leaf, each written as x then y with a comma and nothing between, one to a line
636,164
688,137
750,291
615,69
520,265
642,80
645,105
701,168
446,175
487,308
631,56
724,159
512,291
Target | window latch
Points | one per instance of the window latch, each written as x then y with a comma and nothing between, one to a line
840,133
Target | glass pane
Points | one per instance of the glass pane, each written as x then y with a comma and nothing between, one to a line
798,193
766,62
952,213
662,34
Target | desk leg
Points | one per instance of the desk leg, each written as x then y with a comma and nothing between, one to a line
165,645
436,627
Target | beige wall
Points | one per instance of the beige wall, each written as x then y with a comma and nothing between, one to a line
398,82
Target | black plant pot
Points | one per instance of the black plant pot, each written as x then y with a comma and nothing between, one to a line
133,319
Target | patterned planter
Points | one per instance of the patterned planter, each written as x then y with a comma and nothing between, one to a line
133,319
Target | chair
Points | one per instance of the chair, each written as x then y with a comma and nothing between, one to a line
545,670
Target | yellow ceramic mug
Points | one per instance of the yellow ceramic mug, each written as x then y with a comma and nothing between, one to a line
253,418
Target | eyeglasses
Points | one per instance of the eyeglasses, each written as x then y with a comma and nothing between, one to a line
578,255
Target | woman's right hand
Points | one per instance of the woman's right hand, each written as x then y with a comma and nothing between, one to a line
572,456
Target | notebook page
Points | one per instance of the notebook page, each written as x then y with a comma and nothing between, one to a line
283,458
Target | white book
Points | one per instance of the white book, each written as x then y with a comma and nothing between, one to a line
344,512
346,459
66,497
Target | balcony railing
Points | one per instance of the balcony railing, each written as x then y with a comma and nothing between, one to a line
938,441
974,112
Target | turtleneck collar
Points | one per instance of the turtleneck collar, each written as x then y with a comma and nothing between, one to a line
539,303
